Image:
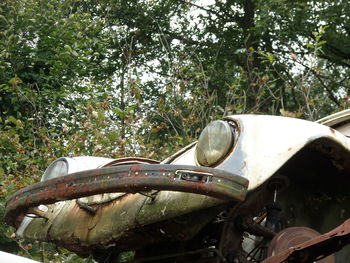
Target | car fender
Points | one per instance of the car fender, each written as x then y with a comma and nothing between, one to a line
266,143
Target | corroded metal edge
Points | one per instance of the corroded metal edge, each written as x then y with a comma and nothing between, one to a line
128,178
316,248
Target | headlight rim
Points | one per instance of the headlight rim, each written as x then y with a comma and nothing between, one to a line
234,131
47,175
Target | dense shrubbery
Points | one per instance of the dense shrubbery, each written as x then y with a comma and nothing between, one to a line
116,78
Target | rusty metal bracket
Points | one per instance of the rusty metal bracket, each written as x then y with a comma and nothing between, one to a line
248,224
316,248
130,179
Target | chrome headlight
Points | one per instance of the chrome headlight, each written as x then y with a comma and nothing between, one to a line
56,169
214,143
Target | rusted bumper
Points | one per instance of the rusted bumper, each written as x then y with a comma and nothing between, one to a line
129,179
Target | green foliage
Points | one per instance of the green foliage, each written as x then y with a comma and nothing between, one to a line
118,78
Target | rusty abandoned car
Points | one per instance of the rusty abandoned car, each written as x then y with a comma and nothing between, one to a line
253,188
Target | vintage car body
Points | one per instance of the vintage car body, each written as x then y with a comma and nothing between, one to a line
274,173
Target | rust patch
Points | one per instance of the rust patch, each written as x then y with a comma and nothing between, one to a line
291,237
316,248
127,178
